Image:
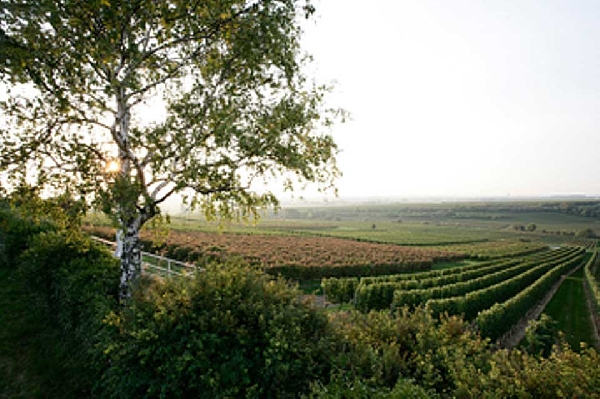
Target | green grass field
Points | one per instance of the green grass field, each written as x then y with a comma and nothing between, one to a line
569,309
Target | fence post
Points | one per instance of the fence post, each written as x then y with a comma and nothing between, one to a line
168,267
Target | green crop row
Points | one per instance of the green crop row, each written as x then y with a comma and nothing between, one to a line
377,292
413,298
466,274
340,290
476,301
332,286
418,279
426,275
300,272
384,294
498,319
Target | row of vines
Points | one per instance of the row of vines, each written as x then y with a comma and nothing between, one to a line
494,294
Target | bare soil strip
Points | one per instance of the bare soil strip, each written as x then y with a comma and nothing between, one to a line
517,332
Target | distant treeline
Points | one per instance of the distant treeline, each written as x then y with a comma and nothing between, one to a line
580,208
475,211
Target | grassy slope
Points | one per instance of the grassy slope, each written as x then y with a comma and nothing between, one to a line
569,309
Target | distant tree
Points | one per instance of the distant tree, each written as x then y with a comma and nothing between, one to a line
237,106
531,227
587,233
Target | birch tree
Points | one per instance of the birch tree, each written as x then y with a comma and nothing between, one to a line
226,78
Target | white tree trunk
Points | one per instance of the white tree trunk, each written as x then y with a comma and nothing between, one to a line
131,261
130,254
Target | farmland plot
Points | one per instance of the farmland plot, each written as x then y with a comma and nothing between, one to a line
300,257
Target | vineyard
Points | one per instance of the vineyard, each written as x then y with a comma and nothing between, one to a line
491,278
297,257
493,294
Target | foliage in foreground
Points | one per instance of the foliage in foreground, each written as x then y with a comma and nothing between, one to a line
444,358
233,332
69,284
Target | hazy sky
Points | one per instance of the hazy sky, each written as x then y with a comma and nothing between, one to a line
463,98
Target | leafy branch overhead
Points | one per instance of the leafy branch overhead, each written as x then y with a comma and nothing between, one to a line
235,106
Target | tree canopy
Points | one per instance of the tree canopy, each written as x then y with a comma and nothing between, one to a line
232,105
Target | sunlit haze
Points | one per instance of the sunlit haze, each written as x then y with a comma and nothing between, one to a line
462,98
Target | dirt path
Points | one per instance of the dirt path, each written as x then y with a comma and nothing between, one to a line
517,332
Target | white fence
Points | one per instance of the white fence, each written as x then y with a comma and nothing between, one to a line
157,264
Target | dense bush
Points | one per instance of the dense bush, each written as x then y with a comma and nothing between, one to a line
71,285
16,232
76,279
340,387
384,349
540,336
514,374
231,332
447,360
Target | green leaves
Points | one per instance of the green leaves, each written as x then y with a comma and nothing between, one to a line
238,107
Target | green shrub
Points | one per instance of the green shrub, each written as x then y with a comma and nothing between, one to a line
383,349
16,232
70,285
231,332
358,389
375,296
76,282
514,374
540,336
